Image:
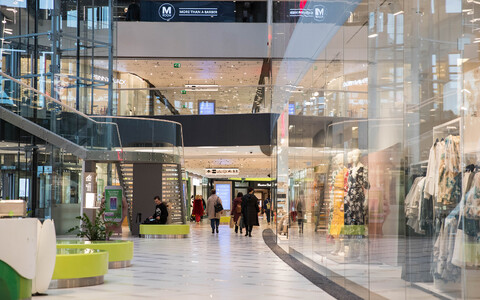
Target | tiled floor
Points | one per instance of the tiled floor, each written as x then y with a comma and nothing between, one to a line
379,271
204,266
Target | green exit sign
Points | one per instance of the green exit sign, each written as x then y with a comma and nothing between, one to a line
184,91
177,65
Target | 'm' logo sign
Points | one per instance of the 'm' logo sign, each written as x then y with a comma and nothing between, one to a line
320,12
166,11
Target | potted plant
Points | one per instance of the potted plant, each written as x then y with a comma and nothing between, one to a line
93,231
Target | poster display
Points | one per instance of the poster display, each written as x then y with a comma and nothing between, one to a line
113,203
224,191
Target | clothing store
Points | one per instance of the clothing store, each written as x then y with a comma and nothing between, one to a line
392,196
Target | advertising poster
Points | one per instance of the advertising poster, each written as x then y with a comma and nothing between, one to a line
113,203
224,191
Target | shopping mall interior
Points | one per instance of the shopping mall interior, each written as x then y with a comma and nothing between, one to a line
353,121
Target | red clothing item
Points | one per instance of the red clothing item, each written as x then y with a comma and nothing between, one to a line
197,207
236,201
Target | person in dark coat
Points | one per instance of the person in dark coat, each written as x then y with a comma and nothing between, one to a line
161,212
250,211
133,12
237,211
197,208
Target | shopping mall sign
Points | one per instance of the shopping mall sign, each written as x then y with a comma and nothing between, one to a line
318,12
335,12
188,11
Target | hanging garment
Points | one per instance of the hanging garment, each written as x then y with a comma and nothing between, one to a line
449,180
443,268
412,204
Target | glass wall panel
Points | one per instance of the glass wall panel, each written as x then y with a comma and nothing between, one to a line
382,186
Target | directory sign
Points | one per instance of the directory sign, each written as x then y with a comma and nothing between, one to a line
113,203
206,107
224,191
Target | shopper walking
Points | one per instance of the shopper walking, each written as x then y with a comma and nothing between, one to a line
236,212
198,208
250,211
212,215
267,207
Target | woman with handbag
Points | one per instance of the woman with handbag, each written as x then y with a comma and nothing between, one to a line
250,211
237,211
214,210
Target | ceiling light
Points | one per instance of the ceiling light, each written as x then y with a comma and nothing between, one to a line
398,13
372,36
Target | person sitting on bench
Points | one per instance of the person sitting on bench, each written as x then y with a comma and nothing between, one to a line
161,212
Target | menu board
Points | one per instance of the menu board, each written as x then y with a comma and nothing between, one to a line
224,191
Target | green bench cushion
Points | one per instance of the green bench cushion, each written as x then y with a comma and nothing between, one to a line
168,229
117,250
80,263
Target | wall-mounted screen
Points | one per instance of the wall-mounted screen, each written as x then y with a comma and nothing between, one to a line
224,191
206,107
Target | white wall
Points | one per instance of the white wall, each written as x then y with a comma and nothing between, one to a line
163,39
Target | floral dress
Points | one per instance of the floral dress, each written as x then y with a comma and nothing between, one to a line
355,198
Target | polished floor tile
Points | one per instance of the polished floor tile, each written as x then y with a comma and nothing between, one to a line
203,266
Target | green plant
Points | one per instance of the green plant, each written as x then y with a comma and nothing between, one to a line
93,231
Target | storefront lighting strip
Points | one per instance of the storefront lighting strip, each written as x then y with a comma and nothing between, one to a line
252,179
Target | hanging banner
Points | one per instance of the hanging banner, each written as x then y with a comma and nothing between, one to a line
113,203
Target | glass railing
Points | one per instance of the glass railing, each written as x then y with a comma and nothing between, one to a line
20,98
217,100
144,137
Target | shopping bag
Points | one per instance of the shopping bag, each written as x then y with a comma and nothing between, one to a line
231,222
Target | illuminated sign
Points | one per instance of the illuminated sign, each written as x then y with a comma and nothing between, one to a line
224,191
206,107
166,11
105,79
291,108
222,171
355,82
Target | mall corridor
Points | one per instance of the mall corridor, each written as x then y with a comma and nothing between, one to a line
203,266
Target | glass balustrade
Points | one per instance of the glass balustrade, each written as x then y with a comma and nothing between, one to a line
18,97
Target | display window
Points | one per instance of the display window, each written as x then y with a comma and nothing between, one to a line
387,200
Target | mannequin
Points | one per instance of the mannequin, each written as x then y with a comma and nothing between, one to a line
354,205
354,201
337,197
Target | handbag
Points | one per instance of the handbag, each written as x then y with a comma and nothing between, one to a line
231,222
218,207
239,209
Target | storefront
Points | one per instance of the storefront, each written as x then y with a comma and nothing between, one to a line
389,205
